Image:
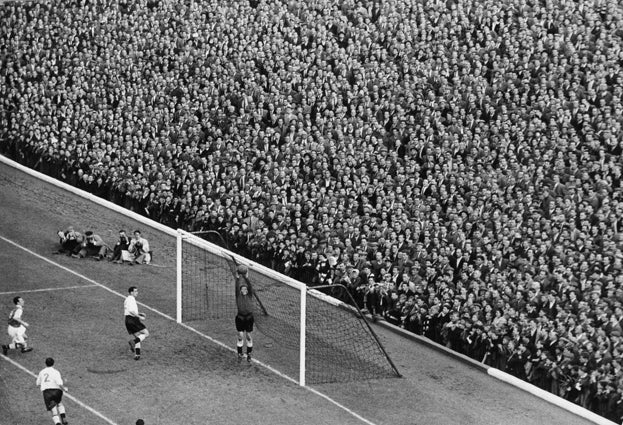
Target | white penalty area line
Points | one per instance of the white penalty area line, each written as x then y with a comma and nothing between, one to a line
209,338
47,289
65,393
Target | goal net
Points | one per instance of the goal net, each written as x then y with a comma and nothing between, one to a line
338,343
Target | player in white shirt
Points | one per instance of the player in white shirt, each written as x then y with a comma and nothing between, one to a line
51,384
17,328
133,322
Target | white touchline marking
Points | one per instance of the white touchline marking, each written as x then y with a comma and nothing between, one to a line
65,393
209,338
47,289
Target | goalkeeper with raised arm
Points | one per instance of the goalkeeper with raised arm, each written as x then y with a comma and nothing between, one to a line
244,318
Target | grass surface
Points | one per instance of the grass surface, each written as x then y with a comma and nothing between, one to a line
184,378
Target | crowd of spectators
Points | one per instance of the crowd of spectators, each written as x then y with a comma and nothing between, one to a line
456,165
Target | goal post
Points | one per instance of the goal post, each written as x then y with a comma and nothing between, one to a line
302,341
312,336
178,278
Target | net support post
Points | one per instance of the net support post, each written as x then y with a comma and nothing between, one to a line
178,278
302,338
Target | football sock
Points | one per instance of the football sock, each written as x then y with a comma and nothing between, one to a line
137,347
249,349
137,351
56,419
61,410
137,340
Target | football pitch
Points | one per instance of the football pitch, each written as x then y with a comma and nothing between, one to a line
189,374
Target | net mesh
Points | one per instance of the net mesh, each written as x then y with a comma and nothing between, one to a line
207,285
339,345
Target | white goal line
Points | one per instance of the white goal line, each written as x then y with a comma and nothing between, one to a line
29,291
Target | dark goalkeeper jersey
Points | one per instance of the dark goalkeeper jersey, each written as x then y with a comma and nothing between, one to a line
244,302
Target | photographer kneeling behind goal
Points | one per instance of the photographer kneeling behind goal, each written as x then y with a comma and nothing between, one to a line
139,249
120,250
93,245
70,241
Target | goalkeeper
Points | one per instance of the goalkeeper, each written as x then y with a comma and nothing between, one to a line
244,318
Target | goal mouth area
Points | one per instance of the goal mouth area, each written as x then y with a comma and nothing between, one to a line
339,344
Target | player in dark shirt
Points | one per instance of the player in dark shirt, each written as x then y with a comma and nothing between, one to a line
244,318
